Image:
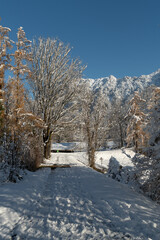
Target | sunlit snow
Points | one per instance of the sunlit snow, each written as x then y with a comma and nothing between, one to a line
76,203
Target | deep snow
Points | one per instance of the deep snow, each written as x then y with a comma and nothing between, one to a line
75,203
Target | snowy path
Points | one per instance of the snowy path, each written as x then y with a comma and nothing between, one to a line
79,203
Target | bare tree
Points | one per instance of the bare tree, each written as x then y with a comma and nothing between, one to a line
117,122
136,134
93,118
54,84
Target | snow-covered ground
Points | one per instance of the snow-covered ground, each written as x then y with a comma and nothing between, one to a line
123,156
74,146
76,203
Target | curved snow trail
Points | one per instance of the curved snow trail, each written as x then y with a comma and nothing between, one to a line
79,203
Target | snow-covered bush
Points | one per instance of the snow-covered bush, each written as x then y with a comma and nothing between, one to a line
18,155
32,157
148,175
145,175
9,173
154,146
120,173
143,167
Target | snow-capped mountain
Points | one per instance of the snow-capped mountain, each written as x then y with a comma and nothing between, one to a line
124,87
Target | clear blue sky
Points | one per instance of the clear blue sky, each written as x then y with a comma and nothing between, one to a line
113,37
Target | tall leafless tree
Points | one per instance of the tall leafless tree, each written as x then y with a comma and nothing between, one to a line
136,134
54,84
117,122
93,118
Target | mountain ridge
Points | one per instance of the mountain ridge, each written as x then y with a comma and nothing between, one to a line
123,87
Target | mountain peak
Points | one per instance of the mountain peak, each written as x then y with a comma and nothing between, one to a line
112,77
124,87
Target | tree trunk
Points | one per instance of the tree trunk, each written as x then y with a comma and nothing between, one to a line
91,157
47,140
136,142
47,150
121,135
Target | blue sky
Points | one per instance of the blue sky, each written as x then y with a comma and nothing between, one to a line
113,37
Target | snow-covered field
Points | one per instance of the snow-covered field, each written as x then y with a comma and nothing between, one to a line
102,158
76,203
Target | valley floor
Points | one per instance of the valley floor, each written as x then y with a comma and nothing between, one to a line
75,203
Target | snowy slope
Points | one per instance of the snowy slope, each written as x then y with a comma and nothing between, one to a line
75,203
123,87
